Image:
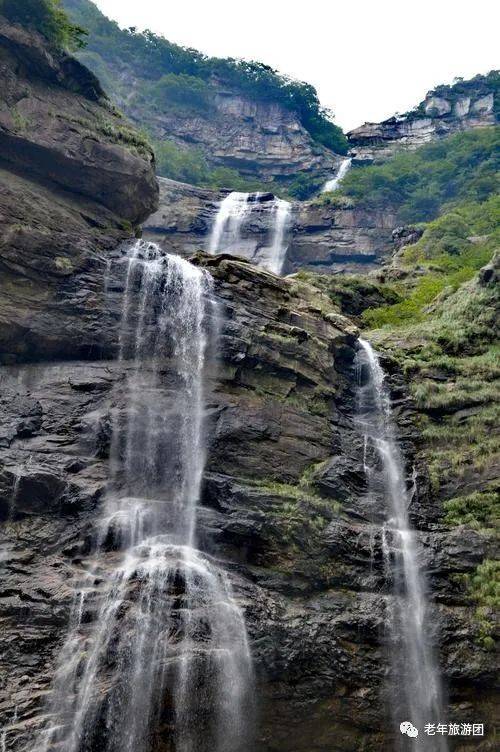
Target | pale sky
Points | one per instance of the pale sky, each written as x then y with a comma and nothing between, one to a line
367,58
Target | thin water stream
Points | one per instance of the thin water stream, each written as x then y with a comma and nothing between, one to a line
416,693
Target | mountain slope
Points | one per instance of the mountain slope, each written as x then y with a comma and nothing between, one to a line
239,117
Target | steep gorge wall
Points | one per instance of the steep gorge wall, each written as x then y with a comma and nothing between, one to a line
227,125
282,504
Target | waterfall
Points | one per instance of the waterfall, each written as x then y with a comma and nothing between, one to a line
282,216
235,211
226,230
333,183
156,639
415,681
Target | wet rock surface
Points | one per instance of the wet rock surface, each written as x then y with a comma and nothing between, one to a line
74,178
283,505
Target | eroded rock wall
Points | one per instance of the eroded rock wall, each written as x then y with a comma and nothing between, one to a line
282,505
74,180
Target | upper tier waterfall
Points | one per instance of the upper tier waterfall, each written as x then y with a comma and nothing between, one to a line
333,183
156,639
234,215
416,694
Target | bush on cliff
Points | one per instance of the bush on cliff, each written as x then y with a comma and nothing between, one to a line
47,17
190,166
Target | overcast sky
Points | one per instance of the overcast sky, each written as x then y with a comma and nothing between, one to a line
367,58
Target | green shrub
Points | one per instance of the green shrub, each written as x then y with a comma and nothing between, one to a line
46,17
190,166
477,510
304,186
186,165
484,588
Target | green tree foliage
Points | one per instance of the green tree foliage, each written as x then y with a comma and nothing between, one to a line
181,92
155,58
463,167
47,17
190,166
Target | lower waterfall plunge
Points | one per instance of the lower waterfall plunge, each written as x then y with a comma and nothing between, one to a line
156,640
234,211
416,694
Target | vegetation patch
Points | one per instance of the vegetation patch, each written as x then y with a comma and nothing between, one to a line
48,18
484,588
479,510
156,60
419,184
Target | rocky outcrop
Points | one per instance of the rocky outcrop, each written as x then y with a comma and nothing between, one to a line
445,110
327,238
55,123
261,140
74,179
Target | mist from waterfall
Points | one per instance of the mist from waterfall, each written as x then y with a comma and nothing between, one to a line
333,183
235,211
157,643
416,693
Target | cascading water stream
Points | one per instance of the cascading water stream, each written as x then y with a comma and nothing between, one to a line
282,217
333,183
226,230
234,211
415,681
157,644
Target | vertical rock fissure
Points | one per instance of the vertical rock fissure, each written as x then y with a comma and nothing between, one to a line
415,684
157,651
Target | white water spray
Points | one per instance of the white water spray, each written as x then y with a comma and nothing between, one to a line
235,211
333,183
156,640
282,216
416,686
226,231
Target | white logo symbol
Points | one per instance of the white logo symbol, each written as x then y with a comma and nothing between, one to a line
409,729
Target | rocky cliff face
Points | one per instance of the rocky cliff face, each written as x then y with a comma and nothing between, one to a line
282,505
321,237
282,502
445,110
243,127
74,179
261,140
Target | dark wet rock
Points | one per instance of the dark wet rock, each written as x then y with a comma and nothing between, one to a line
55,122
74,178
283,505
